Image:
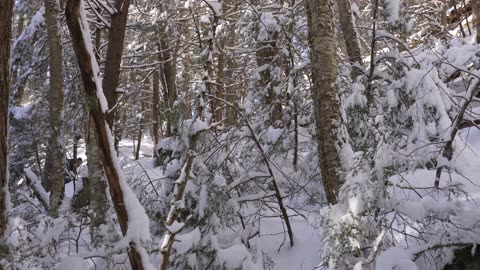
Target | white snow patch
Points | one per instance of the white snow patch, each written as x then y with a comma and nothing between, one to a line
72,263
395,259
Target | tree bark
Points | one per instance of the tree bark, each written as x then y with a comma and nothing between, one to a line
98,201
443,15
54,160
97,185
349,35
186,79
168,73
113,59
226,67
476,15
221,81
329,133
88,66
6,13
156,112
143,120
265,55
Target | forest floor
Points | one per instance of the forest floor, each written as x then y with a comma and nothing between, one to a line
305,254
273,241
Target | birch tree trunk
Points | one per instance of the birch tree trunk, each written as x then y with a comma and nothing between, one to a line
329,133
54,160
6,13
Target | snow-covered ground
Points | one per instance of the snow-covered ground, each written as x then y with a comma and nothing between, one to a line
305,254
272,242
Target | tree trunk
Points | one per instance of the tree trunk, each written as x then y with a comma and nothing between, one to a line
6,12
97,186
349,35
168,73
266,55
54,160
156,112
226,67
231,84
186,78
98,198
476,21
443,15
142,122
116,37
329,132
221,82
89,68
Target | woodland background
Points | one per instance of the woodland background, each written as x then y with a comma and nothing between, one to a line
239,134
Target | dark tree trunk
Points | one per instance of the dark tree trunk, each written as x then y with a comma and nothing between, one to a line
349,34
6,12
156,112
116,37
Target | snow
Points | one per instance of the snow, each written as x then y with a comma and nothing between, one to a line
393,7
175,227
22,112
242,188
357,98
305,254
216,6
395,258
73,263
203,201
37,21
37,185
267,26
52,232
356,205
186,241
272,135
233,257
